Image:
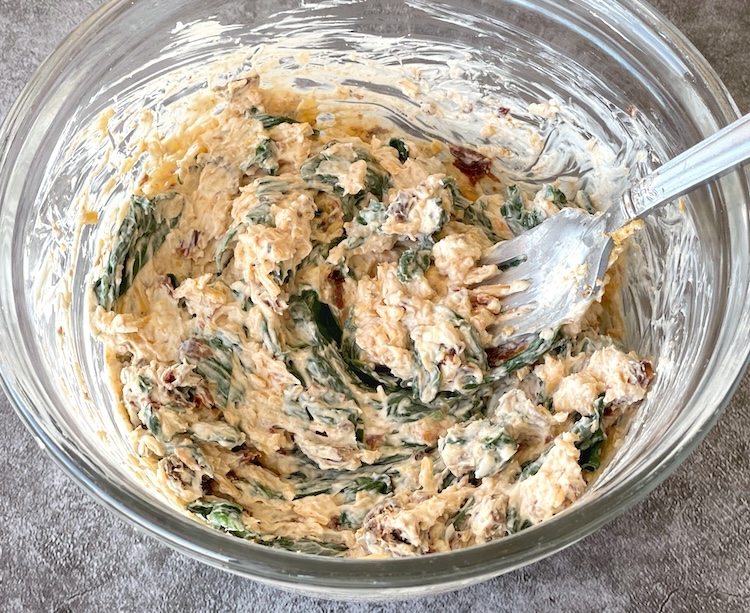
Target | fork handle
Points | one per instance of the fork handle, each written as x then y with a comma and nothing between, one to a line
710,158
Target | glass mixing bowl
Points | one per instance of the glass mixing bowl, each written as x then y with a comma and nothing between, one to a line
631,78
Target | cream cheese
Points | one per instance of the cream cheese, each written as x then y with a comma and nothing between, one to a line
289,309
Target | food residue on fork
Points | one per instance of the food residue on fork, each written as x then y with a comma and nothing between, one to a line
294,328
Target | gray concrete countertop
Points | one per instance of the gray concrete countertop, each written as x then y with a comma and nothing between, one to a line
685,548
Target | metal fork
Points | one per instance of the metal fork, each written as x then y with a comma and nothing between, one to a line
563,260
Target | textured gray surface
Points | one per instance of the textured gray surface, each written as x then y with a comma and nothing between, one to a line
685,548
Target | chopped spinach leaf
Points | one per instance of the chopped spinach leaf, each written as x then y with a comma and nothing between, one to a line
270,121
151,420
583,201
591,458
316,317
474,351
227,517
308,546
458,519
412,264
313,173
221,515
426,379
225,249
213,361
381,484
529,469
270,338
509,358
138,238
518,218
503,439
260,214
266,491
476,215
448,479
514,522
370,376
554,195
459,200
348,521
401,406
591,436
263,158
399,145
325,374
218,432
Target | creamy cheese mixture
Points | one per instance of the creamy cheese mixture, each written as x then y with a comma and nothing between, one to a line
297,332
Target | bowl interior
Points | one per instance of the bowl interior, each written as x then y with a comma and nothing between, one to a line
623,78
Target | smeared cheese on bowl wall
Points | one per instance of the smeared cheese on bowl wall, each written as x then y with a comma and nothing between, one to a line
293,327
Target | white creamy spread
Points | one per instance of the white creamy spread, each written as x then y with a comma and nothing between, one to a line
293,325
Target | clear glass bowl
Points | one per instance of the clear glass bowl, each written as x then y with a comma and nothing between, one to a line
632,78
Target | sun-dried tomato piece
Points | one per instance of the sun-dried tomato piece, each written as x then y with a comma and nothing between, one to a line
472,163
185,249
498,355
336,277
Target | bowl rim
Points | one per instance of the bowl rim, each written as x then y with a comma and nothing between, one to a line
355,576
